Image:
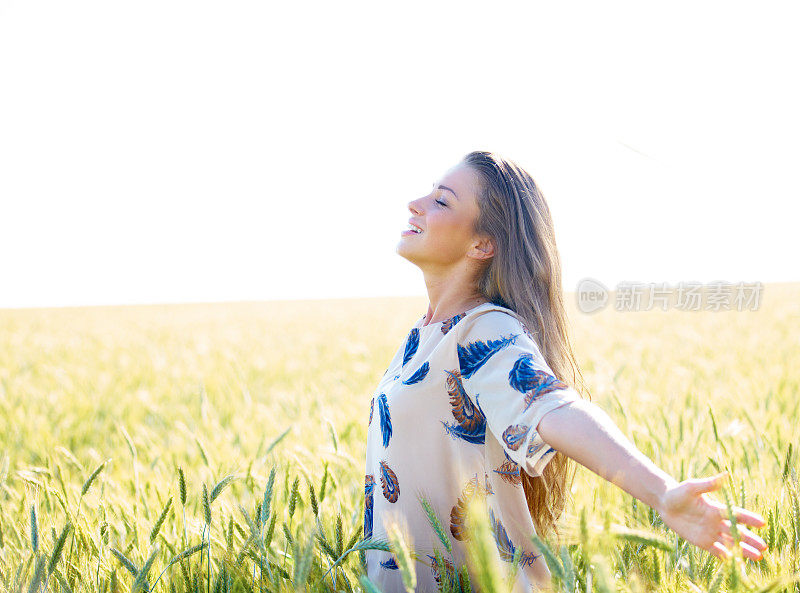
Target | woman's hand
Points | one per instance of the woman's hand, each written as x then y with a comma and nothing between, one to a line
584,432
702,521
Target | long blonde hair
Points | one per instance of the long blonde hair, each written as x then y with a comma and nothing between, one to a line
524,275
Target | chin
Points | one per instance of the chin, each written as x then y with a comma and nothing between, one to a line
403,251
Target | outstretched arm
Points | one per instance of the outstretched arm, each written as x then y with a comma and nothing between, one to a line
584,432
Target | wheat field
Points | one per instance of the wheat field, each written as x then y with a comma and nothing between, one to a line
220,447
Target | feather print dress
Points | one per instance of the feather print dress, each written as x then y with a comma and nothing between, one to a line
453,417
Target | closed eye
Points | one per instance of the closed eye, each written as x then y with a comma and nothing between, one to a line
439,201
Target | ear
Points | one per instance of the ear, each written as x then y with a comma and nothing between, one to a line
483,248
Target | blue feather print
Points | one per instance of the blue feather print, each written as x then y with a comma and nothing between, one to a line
468,416
509,471
386,419
455,431
514,435
389,483
411,345
506,546
549,384
436,572
546,453
475,354
470,421
501,539
369,486
534,448
390,564
527,558
534,383
448,324
371,406
418,375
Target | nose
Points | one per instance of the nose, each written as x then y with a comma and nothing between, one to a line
413,206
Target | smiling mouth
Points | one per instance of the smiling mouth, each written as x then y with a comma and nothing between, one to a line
414,229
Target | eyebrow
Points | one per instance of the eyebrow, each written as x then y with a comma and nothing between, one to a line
448,189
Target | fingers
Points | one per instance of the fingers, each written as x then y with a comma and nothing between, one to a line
745,535
720,551
748,517
751,545
750,552
743,516
726,539
723,550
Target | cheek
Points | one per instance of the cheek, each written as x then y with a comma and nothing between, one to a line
448,233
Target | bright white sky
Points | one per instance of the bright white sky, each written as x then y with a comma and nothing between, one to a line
176,151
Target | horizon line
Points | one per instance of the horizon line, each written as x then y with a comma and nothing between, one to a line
279,300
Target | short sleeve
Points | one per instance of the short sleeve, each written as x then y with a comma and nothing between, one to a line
506,376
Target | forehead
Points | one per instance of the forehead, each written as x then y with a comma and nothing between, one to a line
461,179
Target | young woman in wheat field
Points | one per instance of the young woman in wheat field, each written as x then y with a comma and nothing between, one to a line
482,399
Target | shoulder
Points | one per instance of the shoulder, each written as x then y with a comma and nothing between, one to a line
495,330
487,320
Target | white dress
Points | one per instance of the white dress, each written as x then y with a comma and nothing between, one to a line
455,415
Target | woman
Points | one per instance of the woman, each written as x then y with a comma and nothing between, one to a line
476,400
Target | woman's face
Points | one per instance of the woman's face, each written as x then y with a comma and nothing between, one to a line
445,217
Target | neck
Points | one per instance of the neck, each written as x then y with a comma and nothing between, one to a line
449,295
